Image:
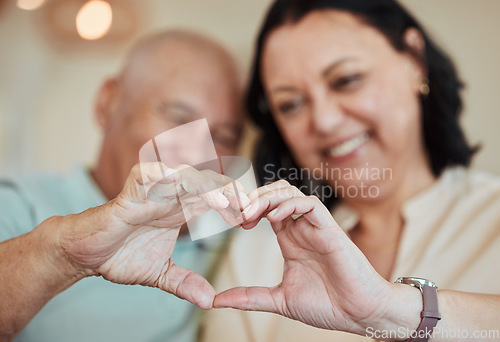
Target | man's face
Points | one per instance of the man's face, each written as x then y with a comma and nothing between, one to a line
169,97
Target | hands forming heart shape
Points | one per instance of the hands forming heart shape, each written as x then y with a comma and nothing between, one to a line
327,282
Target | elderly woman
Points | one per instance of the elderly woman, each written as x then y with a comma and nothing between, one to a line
354,95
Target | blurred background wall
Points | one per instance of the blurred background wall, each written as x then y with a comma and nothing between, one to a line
49,75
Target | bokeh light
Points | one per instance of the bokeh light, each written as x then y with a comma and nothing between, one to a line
94,19
30,4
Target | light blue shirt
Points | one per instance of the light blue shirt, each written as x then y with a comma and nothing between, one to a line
94,309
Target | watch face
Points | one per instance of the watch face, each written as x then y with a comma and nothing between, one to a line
417,282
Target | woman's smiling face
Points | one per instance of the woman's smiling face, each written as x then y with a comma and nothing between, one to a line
343,97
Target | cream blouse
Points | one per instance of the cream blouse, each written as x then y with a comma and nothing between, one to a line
451,236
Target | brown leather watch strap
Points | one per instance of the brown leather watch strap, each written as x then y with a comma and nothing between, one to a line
430,315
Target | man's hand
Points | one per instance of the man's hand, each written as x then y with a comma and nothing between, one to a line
130,239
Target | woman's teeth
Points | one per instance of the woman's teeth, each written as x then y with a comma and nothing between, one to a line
348,146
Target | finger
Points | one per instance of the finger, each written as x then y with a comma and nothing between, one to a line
249,299
230,192
236,195
250,224
266,188
196,206
194,209
162,190
310,207
207,185
217,190
153,172
188,285
233,217
237,200
144,176
233,191
193,182
199,182
270,200
215,199
202,184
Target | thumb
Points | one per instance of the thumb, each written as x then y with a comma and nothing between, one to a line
215,199
188,285
249,299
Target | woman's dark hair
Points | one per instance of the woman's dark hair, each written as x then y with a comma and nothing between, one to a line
444,139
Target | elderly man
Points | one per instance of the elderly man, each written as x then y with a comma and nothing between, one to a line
48,288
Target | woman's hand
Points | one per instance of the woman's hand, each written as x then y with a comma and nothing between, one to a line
327,281
130,239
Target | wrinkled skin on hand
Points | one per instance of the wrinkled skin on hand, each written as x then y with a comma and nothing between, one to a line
327,282
130,239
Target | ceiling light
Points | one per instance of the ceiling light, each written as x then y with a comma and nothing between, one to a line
94,19
29,4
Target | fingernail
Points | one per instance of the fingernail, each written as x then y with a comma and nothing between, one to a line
273,212
244,197
247,209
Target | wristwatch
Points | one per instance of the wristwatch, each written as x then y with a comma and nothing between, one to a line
430,313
